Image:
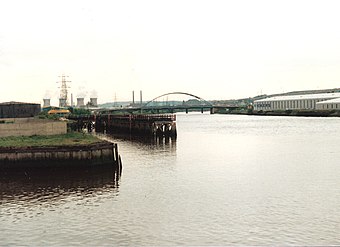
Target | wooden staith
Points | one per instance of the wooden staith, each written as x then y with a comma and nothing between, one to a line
147,125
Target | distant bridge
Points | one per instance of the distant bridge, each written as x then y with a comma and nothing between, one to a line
154,107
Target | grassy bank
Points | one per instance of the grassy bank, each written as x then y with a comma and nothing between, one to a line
73,138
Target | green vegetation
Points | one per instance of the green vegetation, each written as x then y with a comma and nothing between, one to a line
73,138
79,111
45,115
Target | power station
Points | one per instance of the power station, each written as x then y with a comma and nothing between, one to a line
64,99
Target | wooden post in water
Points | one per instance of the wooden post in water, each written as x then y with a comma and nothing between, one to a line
120,165
117,157
113,156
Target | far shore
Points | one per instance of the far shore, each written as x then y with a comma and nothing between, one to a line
292,113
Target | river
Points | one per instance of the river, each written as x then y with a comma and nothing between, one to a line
226,180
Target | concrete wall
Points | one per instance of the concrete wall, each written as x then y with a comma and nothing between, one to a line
31,126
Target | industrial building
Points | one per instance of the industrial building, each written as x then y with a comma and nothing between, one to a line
329,104
299,102
19,110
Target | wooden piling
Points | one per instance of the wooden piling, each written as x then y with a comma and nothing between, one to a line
116,157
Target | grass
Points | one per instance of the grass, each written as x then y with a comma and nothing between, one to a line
73,138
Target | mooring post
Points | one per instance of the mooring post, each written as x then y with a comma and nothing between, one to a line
116,157
113,156
120,165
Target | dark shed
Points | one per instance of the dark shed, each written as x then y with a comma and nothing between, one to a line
19,110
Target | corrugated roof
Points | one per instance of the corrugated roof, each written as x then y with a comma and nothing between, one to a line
301,97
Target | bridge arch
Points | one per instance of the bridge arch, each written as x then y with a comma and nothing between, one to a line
182,93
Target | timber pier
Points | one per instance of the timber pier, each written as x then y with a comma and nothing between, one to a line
139,125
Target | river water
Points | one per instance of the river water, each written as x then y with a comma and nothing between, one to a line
226,180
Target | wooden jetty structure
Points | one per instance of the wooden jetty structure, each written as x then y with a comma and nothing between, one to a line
130,124
149,125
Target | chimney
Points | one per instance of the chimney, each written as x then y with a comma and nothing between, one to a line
141,97
133,98
47,102
80,102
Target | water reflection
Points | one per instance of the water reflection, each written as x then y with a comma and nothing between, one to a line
168,144
36,186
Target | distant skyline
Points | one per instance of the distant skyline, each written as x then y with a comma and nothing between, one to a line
213,49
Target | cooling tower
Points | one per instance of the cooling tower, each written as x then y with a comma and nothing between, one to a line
47,102
93,101
62,103
80,102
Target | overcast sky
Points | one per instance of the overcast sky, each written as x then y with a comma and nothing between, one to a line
213,49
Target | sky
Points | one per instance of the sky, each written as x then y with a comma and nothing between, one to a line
212,49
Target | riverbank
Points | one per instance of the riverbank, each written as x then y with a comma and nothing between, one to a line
293,113
299,113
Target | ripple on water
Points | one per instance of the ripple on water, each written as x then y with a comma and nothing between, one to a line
226,180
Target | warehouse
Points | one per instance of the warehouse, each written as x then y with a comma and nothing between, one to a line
295,102
19,110
333,104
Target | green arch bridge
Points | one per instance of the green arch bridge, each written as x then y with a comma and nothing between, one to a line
154,107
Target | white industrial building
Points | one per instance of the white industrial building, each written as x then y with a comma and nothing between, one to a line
328,104
299,102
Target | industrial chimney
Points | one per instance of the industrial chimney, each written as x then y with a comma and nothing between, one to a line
94,102
47,102
80,102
